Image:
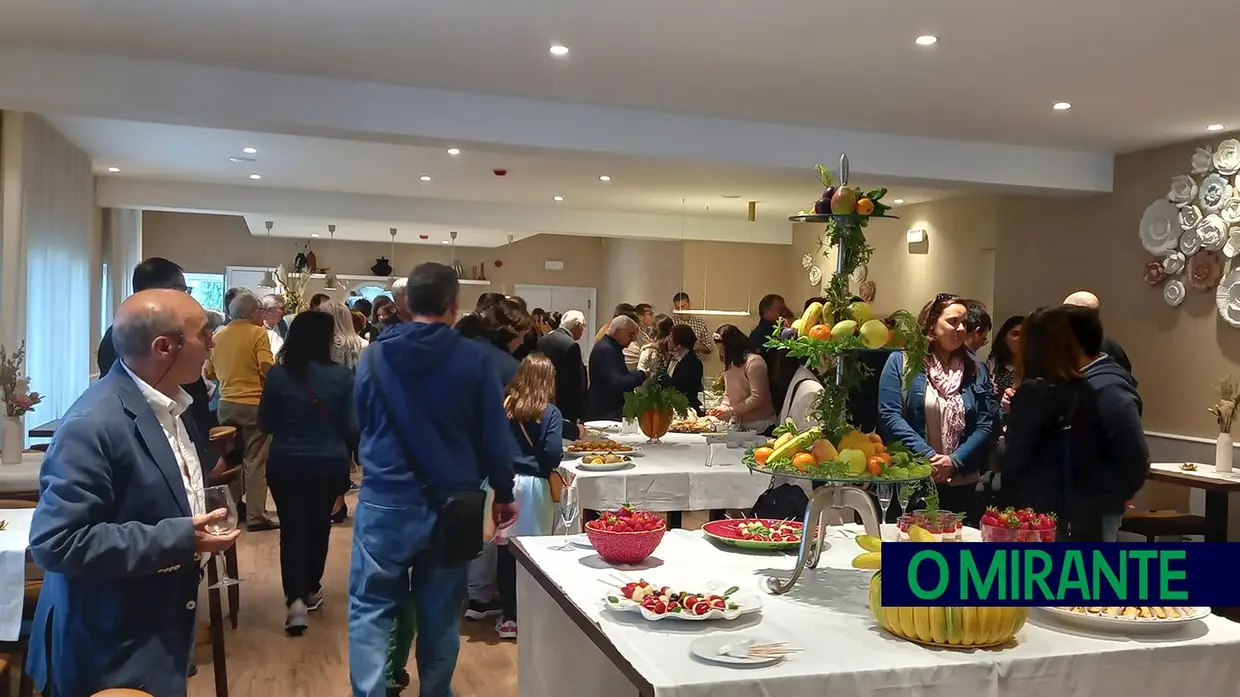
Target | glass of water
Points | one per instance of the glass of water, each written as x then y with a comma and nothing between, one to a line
215,498
566,509
884,498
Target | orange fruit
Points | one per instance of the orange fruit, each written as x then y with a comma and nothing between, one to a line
820,331
880,448
865,206
874,437
803,461
761,454
875,465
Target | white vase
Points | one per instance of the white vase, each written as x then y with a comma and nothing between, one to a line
1222,453
14,441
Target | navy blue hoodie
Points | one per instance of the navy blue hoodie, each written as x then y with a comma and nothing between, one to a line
449,405
1124,457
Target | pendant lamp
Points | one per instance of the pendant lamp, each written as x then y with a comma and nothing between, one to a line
267,280
332,282
392,256
705,283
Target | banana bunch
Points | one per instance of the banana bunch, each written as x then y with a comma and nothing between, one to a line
940,626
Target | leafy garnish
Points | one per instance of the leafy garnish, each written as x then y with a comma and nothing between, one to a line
612,599
731,590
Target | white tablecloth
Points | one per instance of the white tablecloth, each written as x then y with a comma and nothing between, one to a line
14,540
845,652
22,477
672,476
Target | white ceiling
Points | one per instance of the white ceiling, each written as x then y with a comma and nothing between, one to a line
378,231
161,151
1139,71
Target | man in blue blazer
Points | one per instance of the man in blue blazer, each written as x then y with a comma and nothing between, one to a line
120,527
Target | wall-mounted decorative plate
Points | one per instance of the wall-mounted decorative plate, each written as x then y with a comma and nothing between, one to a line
1173,292
1227,298
1174,264
859,274
1160,227
807,260
815,275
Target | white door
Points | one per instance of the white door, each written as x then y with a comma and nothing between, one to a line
563,299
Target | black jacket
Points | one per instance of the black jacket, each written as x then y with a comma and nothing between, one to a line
1124,458
570,373
687,379
1053,445
1112,348
200,410
610,378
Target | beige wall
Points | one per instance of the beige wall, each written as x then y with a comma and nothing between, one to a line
640,271
1053,247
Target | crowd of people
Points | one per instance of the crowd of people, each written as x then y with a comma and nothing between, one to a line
456,421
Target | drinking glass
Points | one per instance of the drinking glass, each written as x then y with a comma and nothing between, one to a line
884,499
904,494
567,510
215,498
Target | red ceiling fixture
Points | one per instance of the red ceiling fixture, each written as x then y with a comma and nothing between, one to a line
499,172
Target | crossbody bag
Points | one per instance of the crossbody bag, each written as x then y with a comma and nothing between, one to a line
555,480
459,519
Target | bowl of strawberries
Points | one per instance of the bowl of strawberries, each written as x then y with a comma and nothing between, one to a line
625,536
1012,525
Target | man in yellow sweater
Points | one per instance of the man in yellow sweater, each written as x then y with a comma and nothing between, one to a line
239,362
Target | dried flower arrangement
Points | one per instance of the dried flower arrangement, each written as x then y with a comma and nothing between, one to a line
16,387
1225,409
293,286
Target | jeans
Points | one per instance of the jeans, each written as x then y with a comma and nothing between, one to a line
245,418
305,505
1110,527
482,575
387,543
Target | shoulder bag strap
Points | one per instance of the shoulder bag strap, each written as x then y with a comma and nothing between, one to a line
411,460
318,404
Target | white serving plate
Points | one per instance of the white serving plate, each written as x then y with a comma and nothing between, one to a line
578,454
747,603
605,467
1115,625
581,540
604,426
711,648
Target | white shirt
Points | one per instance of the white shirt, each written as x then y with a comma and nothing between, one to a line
273,336
168,412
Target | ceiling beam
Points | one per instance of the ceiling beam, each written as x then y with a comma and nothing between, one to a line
395,211
220,97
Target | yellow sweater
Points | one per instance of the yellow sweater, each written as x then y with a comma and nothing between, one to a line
239,361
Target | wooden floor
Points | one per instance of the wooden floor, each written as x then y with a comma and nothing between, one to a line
264,662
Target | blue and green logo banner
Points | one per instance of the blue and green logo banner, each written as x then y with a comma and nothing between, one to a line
1065,573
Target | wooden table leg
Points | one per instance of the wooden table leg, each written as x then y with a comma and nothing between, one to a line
1216,516
718,514
587,515
234,591
218,660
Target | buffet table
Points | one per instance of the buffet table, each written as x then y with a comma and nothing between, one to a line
570,645
683,473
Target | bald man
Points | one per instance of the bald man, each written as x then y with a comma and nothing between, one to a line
610,377
1110,347
120,529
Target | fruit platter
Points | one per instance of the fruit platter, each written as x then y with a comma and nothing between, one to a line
625,535
855,458
1024,525
699,424
605,463
662,602
1126,620
958,627
602,446
755,533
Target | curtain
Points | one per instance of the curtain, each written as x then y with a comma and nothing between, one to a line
58,215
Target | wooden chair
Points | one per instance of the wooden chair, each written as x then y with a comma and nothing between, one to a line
1154,524
220,437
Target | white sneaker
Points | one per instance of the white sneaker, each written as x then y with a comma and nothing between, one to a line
297,621
507,629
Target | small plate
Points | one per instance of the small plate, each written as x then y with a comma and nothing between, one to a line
606,467
747,603
604,426
1115,625
581,540
708,648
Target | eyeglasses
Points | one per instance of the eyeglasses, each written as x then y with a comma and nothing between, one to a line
183,289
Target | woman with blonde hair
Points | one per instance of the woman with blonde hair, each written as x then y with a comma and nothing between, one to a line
537,425
346,344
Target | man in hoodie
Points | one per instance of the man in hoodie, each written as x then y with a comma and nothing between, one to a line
425,390
1125,457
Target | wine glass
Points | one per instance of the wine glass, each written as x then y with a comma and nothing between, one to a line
215,498
884,500
904,494
567,511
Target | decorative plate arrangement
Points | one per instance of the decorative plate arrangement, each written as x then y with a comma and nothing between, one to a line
815,275
662,602
1187,230
763,534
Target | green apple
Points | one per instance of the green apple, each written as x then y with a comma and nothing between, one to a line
842,329
862,312
855,459
874,334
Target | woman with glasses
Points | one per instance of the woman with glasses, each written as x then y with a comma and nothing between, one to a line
947,414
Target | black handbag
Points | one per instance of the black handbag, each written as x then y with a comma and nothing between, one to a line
457,535
783,502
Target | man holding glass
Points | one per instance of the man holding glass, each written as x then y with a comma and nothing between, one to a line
121,526
431,408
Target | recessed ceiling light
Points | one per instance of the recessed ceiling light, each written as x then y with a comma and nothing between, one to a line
1062,106
898,201
242,159
604,178
425,177
445,242
454,151
558,50
256,177
314,234
114,170
1215,127
250,151
927,40
557,198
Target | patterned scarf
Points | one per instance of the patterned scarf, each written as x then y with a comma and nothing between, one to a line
947,381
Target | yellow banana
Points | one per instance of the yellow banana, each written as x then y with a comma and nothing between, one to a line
870,543
812,316
893,621
868,560
907,625
916,533
968,625
921,619
938,625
